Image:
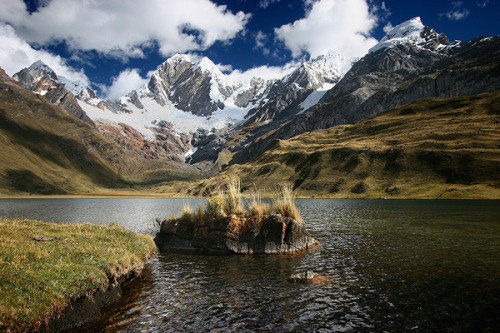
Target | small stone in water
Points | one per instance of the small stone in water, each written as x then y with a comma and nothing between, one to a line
309,277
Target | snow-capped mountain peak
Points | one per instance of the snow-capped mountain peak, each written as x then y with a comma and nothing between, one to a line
410,29
412,32
206,65
78,88
40,68
406,32
178,57
333,63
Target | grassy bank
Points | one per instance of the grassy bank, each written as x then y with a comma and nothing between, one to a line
45,266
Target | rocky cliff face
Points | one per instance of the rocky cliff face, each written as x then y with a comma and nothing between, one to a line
197,87
183,83
42,80
200,88
398,72
286,95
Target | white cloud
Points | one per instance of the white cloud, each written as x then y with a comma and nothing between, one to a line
16,54
264,72
126,26
379,9
224,68
124,83
388,27
265,3
260,42
260,39
457,11
339,25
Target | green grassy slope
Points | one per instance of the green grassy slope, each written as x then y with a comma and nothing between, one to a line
46,267
432,148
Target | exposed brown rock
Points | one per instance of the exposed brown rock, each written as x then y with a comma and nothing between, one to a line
168,146
310,277
273,234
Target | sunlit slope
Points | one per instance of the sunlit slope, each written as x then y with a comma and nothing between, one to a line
45,150
432,148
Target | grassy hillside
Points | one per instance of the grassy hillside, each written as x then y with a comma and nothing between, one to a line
45,150
432,148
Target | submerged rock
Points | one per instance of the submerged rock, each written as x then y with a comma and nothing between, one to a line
273,234
309,277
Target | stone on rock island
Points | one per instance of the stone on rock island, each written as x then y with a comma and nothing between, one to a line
273,234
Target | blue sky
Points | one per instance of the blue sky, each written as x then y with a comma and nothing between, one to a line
115,44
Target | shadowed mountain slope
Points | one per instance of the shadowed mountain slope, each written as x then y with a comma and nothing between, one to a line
432,148
46,150
391,77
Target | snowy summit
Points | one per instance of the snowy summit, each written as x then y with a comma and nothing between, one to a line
406,32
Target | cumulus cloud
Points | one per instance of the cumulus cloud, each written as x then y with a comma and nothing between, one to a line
338,25
126,26
457,11
16,54
224,68
124,83
264,72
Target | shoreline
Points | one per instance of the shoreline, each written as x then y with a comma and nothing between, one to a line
86,309
55,276
169,196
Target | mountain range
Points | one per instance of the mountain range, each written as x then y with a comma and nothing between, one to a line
196,119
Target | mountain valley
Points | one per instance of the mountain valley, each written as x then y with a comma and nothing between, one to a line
47,150
415,117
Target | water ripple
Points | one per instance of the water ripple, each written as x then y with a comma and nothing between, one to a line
394,266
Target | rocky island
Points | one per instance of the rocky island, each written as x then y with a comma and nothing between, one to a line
272,234
226,227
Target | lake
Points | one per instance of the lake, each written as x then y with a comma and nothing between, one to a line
396,265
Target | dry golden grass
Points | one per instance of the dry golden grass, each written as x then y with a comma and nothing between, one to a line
228,200
432,148
284,203
232,203
257,206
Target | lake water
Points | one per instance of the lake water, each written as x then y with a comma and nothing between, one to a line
396,265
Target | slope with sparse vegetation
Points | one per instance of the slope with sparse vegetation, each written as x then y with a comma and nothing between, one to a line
46,150
432,148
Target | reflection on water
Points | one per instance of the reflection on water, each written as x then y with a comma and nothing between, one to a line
396,265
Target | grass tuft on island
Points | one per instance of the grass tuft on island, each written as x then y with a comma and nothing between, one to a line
227,200
46,266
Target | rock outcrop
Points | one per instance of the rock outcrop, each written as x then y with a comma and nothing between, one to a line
42,80
394,76
273,234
